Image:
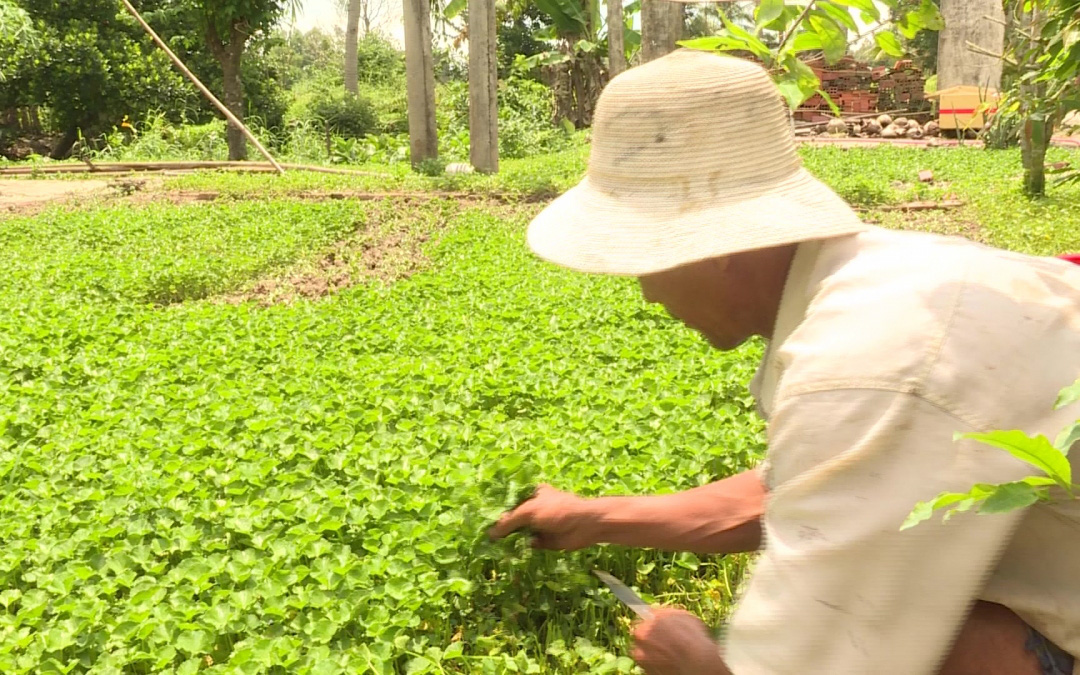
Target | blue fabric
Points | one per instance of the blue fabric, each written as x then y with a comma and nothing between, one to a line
1053,659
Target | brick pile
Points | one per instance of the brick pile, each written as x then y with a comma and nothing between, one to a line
902,88
858,89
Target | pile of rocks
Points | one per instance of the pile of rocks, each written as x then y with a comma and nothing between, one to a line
883,126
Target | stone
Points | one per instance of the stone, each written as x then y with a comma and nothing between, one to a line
837,127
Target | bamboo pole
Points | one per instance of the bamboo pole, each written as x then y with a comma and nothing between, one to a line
202,87
149,167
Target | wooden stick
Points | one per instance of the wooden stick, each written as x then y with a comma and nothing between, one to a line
915,206
143,167
202,87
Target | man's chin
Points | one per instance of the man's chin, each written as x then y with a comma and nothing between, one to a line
724,344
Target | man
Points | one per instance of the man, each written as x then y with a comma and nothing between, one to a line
882,345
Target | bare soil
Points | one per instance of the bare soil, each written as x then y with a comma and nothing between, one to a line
22,195
381,251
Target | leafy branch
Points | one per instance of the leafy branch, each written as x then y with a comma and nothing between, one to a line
1051,459
827,26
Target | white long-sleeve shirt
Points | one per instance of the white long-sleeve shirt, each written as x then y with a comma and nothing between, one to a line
886,344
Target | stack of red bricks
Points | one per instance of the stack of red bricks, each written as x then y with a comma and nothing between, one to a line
847,82
856,89
902,88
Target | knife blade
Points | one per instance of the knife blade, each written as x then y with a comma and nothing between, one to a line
622,592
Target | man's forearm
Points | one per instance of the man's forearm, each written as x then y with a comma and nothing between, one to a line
718,518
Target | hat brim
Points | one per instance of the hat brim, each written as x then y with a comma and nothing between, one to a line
589,230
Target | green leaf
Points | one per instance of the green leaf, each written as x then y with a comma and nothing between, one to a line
833,38
454,8
930,16
768,11
716,43
792,92
194,642
1036,451
889,44
567,16
867,7
840,15
805,41
1067,438
1068,396
1010,497
832,104
749,42
585,46
960,501
922,511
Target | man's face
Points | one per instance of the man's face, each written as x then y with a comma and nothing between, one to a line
707,297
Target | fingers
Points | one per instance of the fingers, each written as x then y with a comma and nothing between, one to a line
520,517
512,521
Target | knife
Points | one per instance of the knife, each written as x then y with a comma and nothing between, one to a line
632,600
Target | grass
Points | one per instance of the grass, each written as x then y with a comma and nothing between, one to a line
192,486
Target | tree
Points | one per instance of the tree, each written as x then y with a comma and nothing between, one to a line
662,23
923,48
227,26
979,22
574,64
93,65
1043,56
17,35
352,30
362,17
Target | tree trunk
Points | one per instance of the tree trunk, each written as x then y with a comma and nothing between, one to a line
420,81
1034,139
1038,127
63,148
661,28
483,87
616,45
352,28
965,21
558,78
230,56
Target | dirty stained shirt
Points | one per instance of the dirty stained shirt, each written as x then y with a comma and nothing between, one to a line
886,344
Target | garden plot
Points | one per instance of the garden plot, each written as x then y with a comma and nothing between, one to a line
203,476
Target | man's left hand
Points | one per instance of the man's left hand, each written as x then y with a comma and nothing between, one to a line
675,642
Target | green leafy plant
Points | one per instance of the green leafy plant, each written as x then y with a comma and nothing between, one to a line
347,115
784,30
1051,459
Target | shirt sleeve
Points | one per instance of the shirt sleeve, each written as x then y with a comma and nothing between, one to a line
838,587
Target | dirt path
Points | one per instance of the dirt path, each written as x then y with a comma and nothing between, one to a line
19,194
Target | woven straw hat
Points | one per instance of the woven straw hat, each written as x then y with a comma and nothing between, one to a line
693,157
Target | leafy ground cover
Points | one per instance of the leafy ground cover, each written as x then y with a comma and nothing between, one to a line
303,487
196,484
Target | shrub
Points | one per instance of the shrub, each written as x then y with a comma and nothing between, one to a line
526,110
345,114
379,63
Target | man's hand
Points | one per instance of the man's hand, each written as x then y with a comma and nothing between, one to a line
675,642
557,520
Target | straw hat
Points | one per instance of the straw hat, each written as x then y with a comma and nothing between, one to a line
693,157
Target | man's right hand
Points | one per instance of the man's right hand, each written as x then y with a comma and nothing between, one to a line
557,520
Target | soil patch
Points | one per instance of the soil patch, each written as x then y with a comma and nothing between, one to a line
388,245
953,222
20,196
